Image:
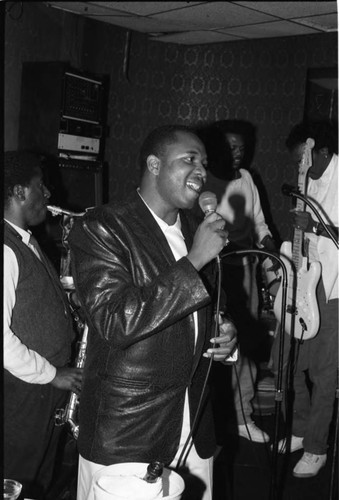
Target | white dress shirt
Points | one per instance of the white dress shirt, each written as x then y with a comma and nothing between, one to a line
323,193
22,362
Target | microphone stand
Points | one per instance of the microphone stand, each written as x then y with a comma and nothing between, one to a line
290,191
278,389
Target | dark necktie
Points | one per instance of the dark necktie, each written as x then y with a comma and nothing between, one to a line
34,245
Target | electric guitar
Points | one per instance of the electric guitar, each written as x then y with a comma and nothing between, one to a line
302,313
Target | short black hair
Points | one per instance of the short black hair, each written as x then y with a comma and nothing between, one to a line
238,127
323,132
19,169
157,141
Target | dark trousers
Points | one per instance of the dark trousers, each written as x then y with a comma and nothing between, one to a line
31,439
310,371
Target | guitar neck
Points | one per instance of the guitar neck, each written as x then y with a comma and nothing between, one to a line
298,241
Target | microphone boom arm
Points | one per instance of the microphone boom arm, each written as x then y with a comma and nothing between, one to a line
290,191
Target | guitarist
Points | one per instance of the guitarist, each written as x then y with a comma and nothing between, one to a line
316,362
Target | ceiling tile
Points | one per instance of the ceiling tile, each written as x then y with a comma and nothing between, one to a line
214,15
146,8
271,30
196,37
141,24
326,22
209,22
289,10
85,8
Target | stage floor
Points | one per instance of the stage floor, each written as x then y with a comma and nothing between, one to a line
244,471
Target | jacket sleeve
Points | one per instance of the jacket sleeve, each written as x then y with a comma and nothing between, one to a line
127,291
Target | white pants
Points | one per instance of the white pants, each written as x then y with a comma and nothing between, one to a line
201,468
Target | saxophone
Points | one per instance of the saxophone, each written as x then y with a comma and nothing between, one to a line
69,414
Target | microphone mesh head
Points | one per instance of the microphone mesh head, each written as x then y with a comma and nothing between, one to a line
208,202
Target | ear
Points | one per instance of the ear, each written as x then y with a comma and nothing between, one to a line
153,164
19,192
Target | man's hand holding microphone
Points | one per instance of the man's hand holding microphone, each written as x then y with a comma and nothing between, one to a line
209,240
210,237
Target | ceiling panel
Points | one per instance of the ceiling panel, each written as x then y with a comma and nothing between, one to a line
216,14
328,22
147,8
197,37
88,8
211,22
271,30
288,10
143,25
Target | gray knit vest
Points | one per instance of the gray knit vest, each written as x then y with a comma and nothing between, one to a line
41,317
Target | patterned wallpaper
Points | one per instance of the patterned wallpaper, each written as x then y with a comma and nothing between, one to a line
261,81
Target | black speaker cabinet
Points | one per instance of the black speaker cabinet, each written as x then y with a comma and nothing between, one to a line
75,184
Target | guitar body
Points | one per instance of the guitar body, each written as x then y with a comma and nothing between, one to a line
302,312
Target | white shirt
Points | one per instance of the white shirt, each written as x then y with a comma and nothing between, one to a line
19,360
240,205
177,243
323,193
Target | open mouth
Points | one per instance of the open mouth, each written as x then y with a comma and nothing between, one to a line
195,186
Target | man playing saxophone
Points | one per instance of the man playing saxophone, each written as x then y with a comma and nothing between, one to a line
38,333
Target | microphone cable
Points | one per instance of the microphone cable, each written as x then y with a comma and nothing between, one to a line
186,448
208,204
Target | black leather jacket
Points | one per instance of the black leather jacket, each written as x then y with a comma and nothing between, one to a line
140,354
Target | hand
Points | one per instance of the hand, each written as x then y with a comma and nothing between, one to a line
68,379
302,221
269,245
226,341
274,268
209,239
73,300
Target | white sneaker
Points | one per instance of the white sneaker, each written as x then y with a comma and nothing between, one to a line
296,444
253,433
309,465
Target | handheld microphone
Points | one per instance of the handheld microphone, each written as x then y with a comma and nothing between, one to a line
208,202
